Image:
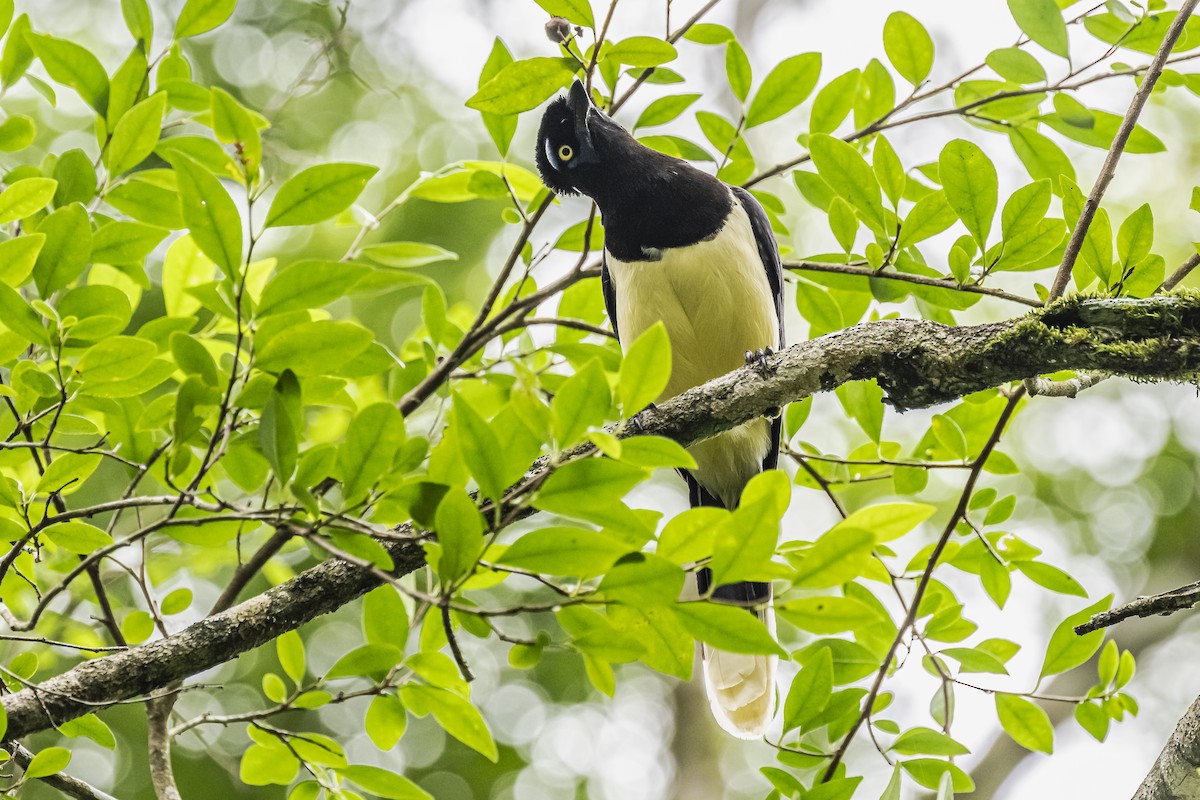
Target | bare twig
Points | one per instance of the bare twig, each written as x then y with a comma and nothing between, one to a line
1158,604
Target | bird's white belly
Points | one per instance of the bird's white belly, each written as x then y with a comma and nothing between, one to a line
716,303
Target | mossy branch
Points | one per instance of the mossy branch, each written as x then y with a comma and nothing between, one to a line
917,363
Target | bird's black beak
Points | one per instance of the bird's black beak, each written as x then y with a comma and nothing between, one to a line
584,111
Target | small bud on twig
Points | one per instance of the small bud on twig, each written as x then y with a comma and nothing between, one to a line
558,30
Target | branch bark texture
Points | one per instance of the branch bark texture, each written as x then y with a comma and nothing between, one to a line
1174,775
918,363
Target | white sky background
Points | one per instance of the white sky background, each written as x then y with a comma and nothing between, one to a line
1108,431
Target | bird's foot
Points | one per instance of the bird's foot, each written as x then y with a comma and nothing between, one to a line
758,359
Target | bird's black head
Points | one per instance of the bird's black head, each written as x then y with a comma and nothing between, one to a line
575,143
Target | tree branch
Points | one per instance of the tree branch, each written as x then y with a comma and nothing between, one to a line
918,363
1174,775
1159,604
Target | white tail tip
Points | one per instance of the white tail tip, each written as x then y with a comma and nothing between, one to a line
741,688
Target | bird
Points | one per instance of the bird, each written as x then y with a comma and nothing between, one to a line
684,248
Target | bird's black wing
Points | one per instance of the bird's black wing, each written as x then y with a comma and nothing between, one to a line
768,251
610,294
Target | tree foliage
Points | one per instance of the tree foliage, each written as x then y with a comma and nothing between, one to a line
191,401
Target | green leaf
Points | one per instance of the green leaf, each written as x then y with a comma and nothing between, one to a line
926,741
839,556
368,659
210,213
829,614
405,255
73,65
66,250
123,242
278,433
16,133
523,85
1025,208
314,348
728,628
643,580
1042,21
479,445
134,137
385,619
1068,650
577,11
580,403
642,51
667,646
810,691
929,771
1016,65
665,109
930,216
970,183
90,726
384,783
889,170
1051,577
908,47
888,521
20,318
457,716
1025,722
77,537
366,455
139,21
232,123
737,70
1093,719
17,257
1042,158
500,128
591,489
18,54
290,649
48,762
834,102
309,284
645,369
26,197
459,529
68,472
386,721
848,174
7,9
201,16
708,33
318,193
786,86
574,552
1136,236
863,401
746,540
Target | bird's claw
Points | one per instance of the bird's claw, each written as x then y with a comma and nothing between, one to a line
758,359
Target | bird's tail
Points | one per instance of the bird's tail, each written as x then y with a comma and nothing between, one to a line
741,688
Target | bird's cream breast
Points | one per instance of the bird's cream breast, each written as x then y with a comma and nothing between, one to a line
716,303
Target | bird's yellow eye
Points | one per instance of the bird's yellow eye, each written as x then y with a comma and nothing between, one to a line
565,152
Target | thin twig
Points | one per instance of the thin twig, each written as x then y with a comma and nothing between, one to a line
923,280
